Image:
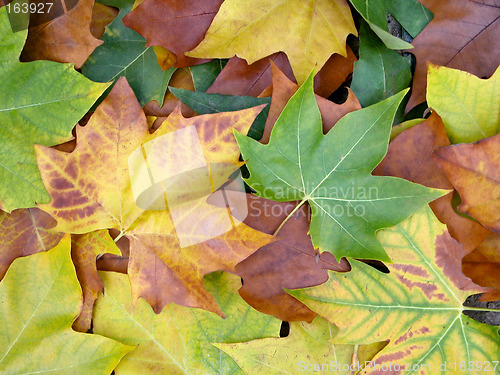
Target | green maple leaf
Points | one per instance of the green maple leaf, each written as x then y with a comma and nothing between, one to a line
40,102
40,297
332,173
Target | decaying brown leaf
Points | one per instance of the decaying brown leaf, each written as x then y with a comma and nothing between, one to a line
25,232
410,156
240,78
65,39
474,170
483,266
463,35
290,262
182,23
102,15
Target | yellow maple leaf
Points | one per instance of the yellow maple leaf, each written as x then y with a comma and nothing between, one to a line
308,31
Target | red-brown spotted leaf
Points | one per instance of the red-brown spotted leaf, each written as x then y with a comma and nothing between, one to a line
417,306
474,170
410,157
463,34
25,232
65,39
91,189
177,26
290,262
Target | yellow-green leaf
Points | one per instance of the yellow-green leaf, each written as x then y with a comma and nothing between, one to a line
39,299
40,102
468,105
307,348
178,340
417,306
308,31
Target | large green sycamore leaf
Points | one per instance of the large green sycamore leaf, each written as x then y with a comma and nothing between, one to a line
332,173
179,339
40,102
40,297
417,306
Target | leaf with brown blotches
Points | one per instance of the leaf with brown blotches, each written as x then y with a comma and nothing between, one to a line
290,262
24,232
91,189
183,25
84,250
417,306
474,170
463,35
483,266
410,157
283,90
65,39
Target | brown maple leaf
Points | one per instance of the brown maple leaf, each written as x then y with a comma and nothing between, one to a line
177,26
239,78
483,266
291,262
474,171
25,232
85,249
410,157
65,39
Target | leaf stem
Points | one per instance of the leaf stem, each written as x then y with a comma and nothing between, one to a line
289,216
119,236
471,308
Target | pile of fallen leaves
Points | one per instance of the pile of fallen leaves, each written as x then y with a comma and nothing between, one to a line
368,214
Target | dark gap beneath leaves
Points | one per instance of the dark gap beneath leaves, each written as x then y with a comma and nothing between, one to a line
285,329
377,264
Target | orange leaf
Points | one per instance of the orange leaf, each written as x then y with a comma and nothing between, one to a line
91,189
474,170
